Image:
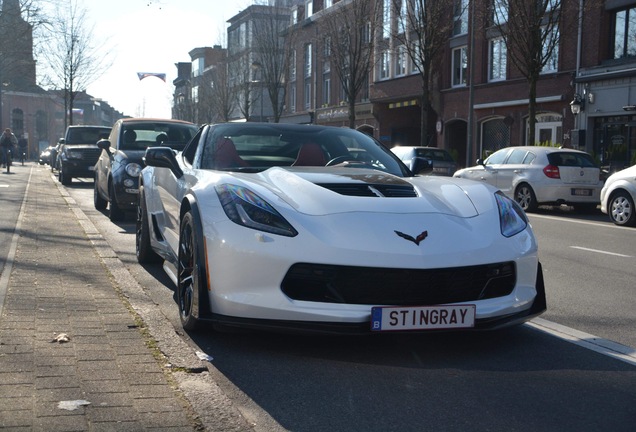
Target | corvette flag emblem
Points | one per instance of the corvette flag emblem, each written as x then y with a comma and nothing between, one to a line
417,240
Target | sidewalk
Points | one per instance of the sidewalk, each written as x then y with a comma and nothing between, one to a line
105,377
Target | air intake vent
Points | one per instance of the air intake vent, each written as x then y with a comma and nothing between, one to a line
371,190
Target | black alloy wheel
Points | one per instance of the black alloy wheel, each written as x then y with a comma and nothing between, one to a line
143,250
192,280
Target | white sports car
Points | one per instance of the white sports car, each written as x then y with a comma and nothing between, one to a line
322,229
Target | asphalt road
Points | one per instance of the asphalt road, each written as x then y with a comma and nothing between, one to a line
521,379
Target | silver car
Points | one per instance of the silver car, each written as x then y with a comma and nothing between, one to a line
536,175
618,197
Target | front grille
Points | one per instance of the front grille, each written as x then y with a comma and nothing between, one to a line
371,190
404,287
89,155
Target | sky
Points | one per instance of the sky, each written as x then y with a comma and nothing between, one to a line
151,36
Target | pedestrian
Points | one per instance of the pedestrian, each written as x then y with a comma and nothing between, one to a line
8,142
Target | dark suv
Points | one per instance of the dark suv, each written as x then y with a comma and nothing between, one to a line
78,152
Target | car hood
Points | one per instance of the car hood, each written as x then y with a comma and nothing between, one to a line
623,174
323,191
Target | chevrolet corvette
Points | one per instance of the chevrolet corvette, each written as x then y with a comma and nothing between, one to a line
323,229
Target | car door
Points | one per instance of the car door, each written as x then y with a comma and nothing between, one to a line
171,191
488,171
513,170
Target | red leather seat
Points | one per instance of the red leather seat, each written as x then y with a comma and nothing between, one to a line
310,154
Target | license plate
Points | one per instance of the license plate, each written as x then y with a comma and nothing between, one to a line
582,192
422,317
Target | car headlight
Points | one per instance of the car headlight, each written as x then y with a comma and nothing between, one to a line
246,208
133,169
73,154
512,218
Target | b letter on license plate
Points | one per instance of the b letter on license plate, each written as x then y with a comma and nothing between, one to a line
422,317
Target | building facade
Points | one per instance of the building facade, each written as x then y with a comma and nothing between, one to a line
479,93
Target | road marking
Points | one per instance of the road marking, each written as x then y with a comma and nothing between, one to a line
4,185
582,222
586,340
601,252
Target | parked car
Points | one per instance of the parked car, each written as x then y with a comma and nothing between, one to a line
619,195
323,229
78,151
45,155
536,175
443,162
121,160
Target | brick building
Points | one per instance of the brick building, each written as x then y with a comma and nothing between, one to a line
479,98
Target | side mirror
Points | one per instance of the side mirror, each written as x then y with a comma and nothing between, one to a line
480,161
163,157
421,165
104,145
61,141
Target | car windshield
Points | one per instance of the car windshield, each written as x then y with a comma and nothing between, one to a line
255,148
86,135
139,136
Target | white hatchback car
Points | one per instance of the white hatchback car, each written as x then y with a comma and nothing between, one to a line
536,175
618,197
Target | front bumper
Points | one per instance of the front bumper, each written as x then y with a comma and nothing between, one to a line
538,306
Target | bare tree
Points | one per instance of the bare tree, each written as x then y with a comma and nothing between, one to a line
421,32
73,58
349,31
532,32
272,53
222,98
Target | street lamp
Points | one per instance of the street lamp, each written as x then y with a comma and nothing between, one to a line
577,105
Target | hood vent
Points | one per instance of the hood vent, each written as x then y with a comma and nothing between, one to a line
371,190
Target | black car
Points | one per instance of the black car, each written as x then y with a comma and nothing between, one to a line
78,151
121,160
443,162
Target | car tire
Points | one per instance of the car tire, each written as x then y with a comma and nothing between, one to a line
65,179
192,279
143,249
99,202
621,209
115,213
525,197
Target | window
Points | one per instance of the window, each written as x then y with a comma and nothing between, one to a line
309,8
551,50
460,65
307,94
292,98
460,17
498,60
294,16
385,65
625,34
400,61
499,12
495,135
328,4
326,89
292,66
386,19
327,46
194,94
198,66
307,60
416,63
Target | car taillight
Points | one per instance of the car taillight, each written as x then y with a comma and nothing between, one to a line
552,171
